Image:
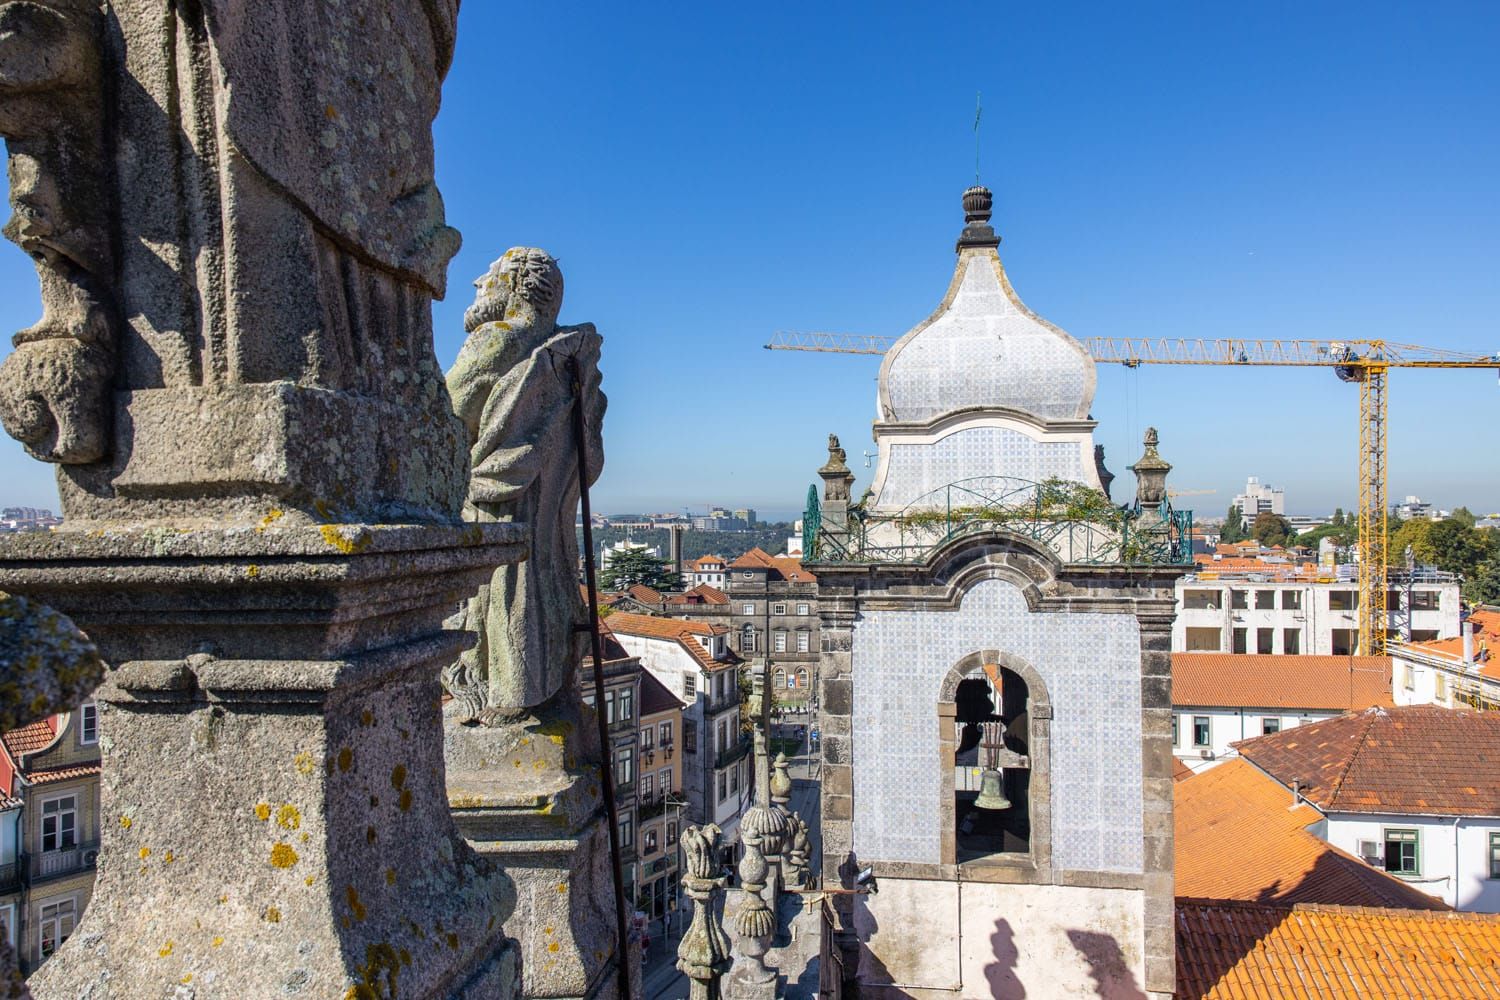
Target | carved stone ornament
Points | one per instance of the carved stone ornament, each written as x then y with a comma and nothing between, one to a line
837,479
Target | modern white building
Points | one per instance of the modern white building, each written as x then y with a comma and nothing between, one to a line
1219,699
709,571
1293,609
1259,499
1454,673
1410,789
1415,508
693,662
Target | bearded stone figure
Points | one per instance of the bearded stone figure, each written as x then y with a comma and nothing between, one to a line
515,384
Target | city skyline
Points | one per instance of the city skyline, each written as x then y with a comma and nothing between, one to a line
1227,174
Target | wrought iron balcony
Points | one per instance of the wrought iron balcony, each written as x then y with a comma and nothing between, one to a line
54,864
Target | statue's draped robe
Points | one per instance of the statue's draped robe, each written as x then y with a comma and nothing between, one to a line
517,403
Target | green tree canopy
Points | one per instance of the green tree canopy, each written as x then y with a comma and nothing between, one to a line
1272,529
632,566
1234,526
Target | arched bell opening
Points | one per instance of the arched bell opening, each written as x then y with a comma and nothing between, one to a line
991,764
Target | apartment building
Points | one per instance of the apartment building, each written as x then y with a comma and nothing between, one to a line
1219,699
705,571
773,605
1255,607
660,805
693,661
1455,673
622,698
49,830
1259,499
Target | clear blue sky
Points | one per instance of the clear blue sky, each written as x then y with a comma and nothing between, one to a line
711,173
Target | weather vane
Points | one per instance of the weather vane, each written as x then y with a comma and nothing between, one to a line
978,110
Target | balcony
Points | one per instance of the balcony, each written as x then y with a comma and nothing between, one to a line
650,808
731,754
55,864
10,876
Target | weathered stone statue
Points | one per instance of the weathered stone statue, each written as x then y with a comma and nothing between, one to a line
836,475
270,269
515,385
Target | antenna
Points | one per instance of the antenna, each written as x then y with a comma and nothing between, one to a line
978,111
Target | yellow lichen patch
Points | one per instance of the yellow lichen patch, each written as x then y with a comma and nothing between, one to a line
283,856
556,739
288,817
346,759
539,765
169,857
552,946
309,880
398,776
216,942
348,546
271,915
252,571
367,718
404,802
186,979
270,519
125,822
164,950
545,930
390,876
562,887
355,906
516,762
223,898
369,835
145,853
263,811
304,763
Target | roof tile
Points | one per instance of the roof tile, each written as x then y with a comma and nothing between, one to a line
1240,680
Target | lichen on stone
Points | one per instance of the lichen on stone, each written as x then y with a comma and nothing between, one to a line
47,664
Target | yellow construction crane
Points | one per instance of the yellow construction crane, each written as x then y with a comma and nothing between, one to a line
1364,362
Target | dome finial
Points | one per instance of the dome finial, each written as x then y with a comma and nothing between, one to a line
978,232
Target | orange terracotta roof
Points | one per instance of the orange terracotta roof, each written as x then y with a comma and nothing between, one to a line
1238,951
62,774
1249,680
701,594
1486,622
1410,759
1180,771
644,594
701,561
30,738
655,698
786,567
1237,838
683,631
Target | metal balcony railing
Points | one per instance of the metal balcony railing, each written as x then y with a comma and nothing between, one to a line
733,753
52,864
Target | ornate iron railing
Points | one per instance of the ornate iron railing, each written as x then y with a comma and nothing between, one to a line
1076,522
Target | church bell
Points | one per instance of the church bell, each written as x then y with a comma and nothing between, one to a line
991,791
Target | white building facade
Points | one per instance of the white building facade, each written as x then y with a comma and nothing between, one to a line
1259,499
1453,858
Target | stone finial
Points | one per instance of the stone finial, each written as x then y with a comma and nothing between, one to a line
754,924
797,855
977,229
1150,473
837,479
703,953
781,782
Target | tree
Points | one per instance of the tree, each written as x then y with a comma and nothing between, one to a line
1464,516
632,566
1234,526
1272,529
1338,520
1484,586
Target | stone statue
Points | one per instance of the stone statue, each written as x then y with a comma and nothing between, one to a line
836,475
54,387
515,384
270,268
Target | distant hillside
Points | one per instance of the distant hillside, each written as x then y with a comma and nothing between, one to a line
731,544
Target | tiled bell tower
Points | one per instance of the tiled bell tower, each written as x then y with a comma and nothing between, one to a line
995,682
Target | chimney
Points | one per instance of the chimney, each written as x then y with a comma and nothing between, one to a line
674,547
1468,644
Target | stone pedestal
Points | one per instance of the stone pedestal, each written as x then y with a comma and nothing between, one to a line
526,795
273,813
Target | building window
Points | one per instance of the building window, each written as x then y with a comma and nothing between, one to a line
648,738
803,609
1291,600
778,678
88,723
1200,731
648,783
1175,717
734,778
778,639
1240,640
1401,854
1203,640
779,608
664,778
1408,677
1202,600
1440,686
648,841
1342,641
671,832
1270,724
799,679
1495,855
747,609
1424,600
804,641
723,786
664,731
1265,641
609,707
1343,600
690,686
747,574
1265,600
624,766
689,736
627,832
60,824
1291,641
992,733
55,925
723,743
627,705
1239,599
747,639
